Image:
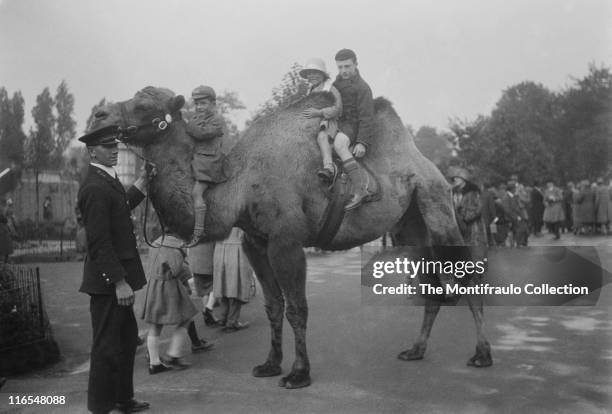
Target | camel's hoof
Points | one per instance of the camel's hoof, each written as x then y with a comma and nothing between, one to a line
267,370
482,358
415,353
296,379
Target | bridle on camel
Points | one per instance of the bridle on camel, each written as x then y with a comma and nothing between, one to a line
127,131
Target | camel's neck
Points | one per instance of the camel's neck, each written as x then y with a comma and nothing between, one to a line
171,190
224,204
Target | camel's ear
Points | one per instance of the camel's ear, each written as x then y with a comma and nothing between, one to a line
176,103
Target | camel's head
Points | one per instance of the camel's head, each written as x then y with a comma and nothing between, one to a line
142,118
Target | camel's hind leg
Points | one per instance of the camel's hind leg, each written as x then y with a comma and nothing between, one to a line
287,258
482,358
274,303
437,211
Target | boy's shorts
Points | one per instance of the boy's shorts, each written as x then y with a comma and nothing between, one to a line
203,284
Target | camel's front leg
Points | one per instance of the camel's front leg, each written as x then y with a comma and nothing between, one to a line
432,307
289,264
274,303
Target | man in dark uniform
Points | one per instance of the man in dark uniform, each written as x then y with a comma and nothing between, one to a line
206,129
355,123
112,272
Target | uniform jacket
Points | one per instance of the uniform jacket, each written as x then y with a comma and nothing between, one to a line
112,254
357,116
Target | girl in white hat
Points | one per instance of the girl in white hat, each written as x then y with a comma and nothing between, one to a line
316,74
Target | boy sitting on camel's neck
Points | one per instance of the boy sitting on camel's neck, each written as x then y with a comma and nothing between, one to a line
206,129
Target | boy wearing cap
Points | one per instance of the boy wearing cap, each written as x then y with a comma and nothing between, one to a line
112,272
355,123
206,129
316,74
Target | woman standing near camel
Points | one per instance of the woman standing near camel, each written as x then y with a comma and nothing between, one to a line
316,74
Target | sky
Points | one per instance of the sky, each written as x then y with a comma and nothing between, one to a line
435,60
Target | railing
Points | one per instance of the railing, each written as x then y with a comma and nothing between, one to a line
26,338
22,318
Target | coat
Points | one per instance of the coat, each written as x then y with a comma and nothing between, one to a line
488,206
167,300
468,211
207,132
537,206
585,205
200,258
112,253
514,213
603,204
232,274
553,200
357,119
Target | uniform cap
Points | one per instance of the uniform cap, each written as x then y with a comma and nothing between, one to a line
103,136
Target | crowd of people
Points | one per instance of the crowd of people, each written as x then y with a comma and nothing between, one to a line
511,211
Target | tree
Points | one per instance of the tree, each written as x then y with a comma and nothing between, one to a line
517,138
291,88
65,130
40,143
12,137
585,126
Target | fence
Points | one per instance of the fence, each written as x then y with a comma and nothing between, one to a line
26,341
56,241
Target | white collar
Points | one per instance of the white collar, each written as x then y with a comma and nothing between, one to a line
109,170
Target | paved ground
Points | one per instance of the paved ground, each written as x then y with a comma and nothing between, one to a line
547,359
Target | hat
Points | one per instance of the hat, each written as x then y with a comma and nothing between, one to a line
204,92
316,65
345,54
103,136
459,172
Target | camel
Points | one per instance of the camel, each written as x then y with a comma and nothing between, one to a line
272,193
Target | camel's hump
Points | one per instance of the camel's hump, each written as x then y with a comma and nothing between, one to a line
382,104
